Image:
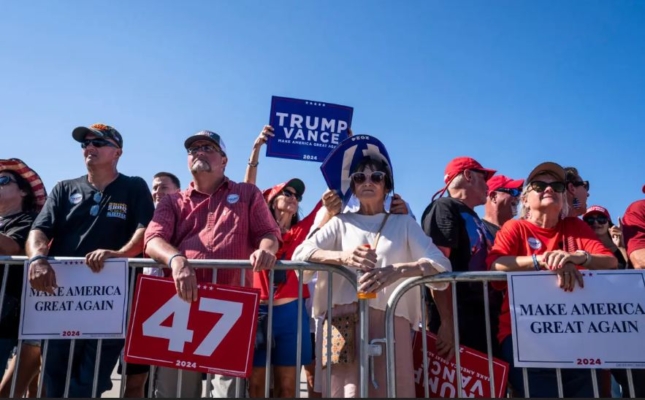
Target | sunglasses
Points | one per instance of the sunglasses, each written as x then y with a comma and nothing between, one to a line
540,186
289,194
98,143
581,183
5,180
207,148
94,210
601,220
512,192
360,177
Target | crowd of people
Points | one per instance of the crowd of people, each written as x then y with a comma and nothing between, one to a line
541,222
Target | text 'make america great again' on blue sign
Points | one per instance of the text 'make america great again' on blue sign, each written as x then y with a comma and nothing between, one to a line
305,129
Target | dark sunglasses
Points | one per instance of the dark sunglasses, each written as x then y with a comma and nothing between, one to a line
98,143
5,180
581,183
207,148
540,186
512,192
375,177
601,220
289,194
94,210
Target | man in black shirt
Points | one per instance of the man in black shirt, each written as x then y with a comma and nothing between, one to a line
98,216
22,195
501,204
460,234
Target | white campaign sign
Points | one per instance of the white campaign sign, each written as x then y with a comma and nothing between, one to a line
85,304
599,326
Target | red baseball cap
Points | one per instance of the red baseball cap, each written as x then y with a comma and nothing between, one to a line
597,210
503,182
295,183
459,165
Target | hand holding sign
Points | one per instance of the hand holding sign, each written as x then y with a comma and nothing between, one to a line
265,135
306,130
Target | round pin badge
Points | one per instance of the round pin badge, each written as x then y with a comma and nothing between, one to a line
534,243
75,198
232,198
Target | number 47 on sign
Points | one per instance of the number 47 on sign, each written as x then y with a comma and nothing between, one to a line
215,334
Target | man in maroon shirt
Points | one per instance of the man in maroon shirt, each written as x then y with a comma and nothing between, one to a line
215,218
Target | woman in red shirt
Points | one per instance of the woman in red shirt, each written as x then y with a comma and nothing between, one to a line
543,238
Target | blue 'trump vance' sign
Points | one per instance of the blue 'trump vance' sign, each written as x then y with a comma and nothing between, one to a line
305,129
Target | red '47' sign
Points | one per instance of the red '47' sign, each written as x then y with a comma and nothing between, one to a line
442,375
215,334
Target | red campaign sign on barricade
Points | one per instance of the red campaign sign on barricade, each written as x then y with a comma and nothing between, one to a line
215,334
442,375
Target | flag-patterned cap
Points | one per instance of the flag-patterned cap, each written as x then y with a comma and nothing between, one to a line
28,174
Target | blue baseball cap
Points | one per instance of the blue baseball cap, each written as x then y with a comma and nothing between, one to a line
206,135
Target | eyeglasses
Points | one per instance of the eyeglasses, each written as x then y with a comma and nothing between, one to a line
600,219
98,143
207,148
360,177
581,183
289,194
5,180
94,210
540,186
512,192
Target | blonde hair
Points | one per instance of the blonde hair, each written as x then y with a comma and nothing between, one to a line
525,211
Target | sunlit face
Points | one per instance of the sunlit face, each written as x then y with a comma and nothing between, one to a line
162,186
580,191
542,196
506,204
99,151
478,185
286,201
10,194
369,185
204,156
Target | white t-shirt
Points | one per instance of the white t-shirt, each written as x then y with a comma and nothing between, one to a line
402,240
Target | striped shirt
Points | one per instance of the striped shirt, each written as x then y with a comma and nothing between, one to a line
226,225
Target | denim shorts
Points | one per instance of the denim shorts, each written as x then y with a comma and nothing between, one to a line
285,336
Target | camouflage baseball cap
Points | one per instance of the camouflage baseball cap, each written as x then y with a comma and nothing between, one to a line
100,130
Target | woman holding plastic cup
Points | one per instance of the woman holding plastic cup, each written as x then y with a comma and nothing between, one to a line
397,249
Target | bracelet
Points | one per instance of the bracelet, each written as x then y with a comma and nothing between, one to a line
36,258
587,257
171,258
255,164
536,265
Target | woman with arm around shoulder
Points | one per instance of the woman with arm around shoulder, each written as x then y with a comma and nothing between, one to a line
402,251
543,239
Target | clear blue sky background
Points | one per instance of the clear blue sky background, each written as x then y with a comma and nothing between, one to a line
510,83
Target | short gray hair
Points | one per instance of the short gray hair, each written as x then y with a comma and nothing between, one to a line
524,211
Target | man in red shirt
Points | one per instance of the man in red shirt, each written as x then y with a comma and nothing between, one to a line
634,232
215,218
502,201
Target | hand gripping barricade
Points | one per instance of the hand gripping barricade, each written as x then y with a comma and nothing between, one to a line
240,383
453,278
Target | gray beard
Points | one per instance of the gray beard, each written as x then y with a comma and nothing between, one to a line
200,166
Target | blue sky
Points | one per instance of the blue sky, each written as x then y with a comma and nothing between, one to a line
510,83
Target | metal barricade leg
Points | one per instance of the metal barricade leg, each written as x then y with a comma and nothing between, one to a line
364,311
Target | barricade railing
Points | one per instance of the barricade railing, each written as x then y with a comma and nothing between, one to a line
452,278
240,387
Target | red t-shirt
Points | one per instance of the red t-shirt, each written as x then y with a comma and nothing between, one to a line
634,226
522,238
290,240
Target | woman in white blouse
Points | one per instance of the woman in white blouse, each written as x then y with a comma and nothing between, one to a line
402,251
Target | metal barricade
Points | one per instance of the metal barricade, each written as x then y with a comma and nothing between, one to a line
453,278
240,384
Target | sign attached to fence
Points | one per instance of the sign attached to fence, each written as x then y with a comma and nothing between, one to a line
84,305
442,375
215,334
599,326
306,130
